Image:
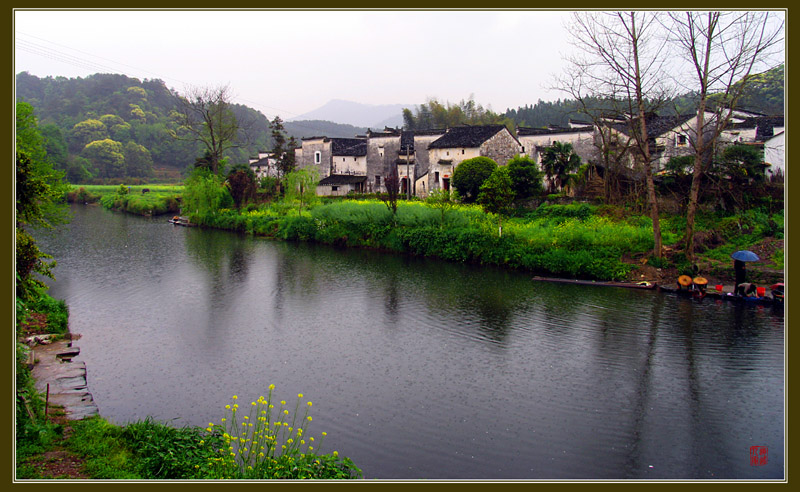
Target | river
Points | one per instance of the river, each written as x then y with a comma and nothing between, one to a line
418,368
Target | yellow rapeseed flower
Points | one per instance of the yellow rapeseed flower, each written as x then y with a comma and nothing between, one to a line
271,386
283,402
228,407
309,418
300,395
309,404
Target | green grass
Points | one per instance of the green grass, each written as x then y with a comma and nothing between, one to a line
158,189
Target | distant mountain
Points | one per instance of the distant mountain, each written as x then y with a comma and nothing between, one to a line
358,114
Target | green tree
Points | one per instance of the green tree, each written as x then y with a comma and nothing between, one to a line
282,150
55,145
242,184
558,161
203,194
79,170
526,178
497,194
85,132
106,156
301,185
40,194
138,162
470,174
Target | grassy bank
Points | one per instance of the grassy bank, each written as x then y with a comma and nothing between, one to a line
562,240
575,240
139,199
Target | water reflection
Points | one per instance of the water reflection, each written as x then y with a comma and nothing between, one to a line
423,369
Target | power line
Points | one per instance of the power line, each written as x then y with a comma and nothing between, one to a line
81,62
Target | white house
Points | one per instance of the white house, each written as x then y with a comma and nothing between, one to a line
775,154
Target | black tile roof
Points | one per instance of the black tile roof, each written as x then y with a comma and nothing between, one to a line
465,136
348,146
342,179
656,125
524,131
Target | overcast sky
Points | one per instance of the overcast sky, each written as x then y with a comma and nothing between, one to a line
289,63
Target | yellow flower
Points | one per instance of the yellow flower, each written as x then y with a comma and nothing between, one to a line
309,404
309,418
228,407
235,397
335,454
286,412
283,402
271,386
223,419
300,395
324,433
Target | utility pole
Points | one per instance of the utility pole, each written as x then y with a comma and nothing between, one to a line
408,172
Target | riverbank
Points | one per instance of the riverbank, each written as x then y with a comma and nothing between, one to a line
578,241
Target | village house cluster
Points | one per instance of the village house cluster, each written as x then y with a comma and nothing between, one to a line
425,160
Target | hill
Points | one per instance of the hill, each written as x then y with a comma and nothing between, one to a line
130,121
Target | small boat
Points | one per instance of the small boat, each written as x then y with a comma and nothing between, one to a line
639,285
184,221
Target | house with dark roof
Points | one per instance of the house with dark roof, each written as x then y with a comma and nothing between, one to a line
460,143
332,155
341,184
264,165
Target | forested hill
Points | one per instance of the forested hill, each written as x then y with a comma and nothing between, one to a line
120,115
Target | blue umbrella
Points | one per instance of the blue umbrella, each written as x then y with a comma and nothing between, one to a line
745,255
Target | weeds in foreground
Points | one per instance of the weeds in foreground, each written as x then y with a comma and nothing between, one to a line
269,441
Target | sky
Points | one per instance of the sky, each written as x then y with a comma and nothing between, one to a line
288,63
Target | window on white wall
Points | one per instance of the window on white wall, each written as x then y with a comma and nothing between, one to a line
317,157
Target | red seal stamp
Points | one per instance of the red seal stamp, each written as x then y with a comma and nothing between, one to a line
758,455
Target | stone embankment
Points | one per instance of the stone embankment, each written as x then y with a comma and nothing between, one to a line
66,378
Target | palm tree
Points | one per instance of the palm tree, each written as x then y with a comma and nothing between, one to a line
558,162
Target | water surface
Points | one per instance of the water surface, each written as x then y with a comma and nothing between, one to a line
420,368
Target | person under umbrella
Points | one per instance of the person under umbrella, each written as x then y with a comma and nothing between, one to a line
739,258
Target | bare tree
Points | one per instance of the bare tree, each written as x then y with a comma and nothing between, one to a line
621,62
206,116
722,50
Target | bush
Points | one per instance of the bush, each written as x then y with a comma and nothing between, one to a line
470,174
164,452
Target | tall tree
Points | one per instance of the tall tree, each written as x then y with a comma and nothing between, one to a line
622,60
720,49
39,201
206,116
558,161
